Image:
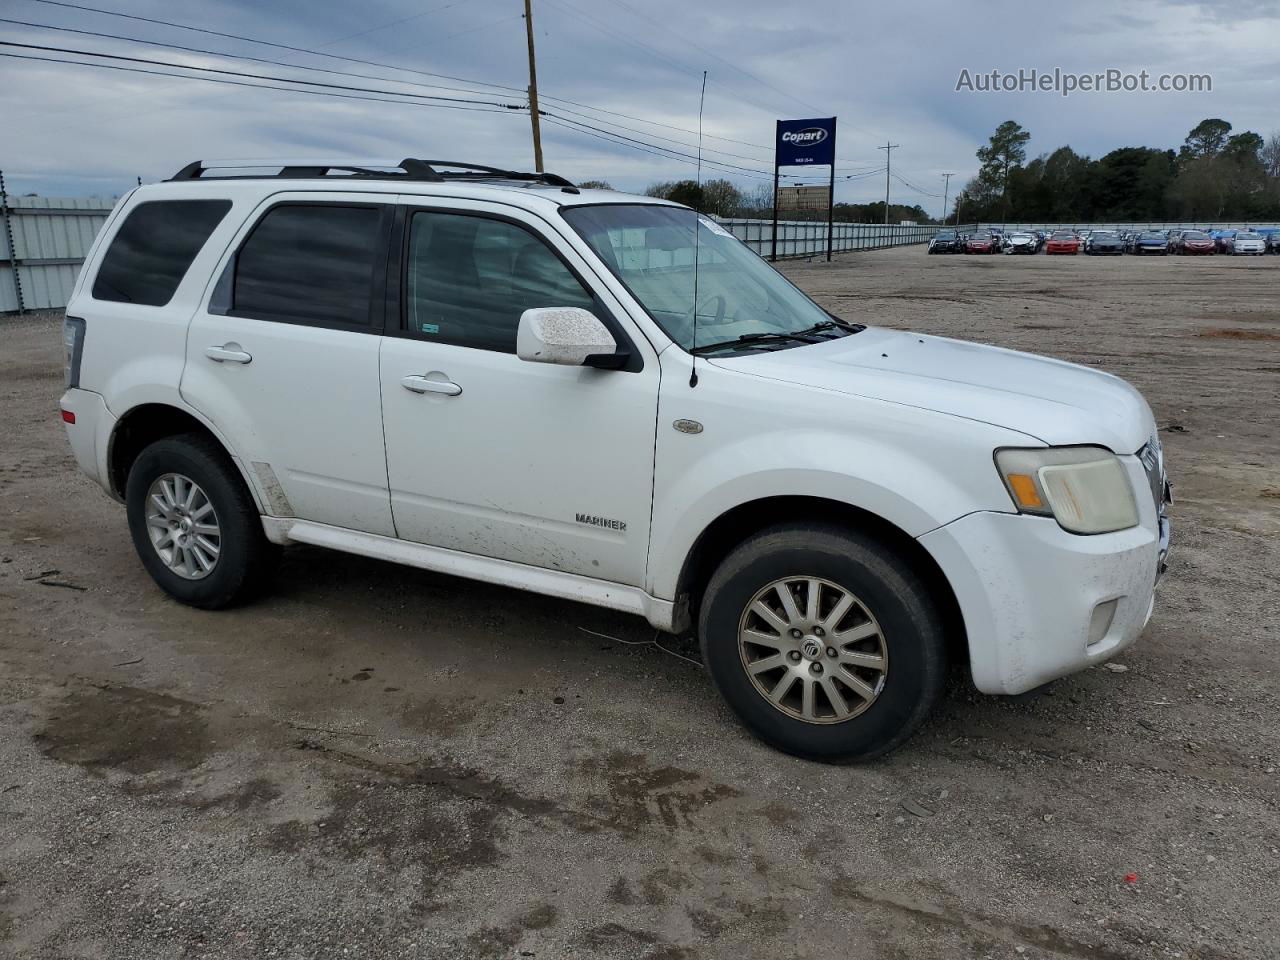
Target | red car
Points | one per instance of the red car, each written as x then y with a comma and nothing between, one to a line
980,243
1063,243
1195,241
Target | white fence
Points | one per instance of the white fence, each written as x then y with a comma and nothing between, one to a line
43,241
808,238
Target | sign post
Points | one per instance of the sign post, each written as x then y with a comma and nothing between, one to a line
805,143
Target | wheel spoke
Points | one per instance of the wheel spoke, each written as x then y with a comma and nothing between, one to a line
813,590
834,697
166,491
837,612
203,511
765,664
860,632
190,499
205,563
208,547
782,687
856,658
160,523
206,530
783,590
161,506
769,617
806,705
857,684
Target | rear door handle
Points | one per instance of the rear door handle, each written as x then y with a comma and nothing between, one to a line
229,353
427,385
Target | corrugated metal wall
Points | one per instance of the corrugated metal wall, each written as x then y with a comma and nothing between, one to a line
808,238
43,241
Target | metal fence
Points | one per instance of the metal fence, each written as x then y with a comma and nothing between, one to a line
808,238
43,241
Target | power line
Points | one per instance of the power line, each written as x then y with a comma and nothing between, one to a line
269,43
258,86
240,73
236,56
373,63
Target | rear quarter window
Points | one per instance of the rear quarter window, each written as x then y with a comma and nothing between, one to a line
153,249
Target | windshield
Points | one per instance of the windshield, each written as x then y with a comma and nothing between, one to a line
1102,235
945,235
1248,236
1064,236
1195,235
650,248
1152,237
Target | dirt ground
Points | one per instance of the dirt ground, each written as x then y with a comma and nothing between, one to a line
381,762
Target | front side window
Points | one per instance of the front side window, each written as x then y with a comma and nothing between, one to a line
309,263
153,248
468,279
651,249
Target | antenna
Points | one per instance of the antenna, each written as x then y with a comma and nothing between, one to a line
697,233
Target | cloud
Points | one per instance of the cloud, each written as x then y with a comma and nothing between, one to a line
887,71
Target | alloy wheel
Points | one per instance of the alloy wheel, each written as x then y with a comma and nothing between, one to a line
183,526
813,650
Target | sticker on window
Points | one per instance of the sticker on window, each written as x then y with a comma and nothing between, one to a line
430,328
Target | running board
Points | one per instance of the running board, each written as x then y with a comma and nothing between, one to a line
520,576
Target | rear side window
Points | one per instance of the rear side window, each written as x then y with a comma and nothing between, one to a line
153,248
309,263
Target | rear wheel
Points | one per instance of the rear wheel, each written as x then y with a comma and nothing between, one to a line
194,524
823,642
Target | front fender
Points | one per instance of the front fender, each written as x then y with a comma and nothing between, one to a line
915,486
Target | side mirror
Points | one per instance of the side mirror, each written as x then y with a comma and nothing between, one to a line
565,335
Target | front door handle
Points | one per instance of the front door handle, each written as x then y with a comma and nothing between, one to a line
229,353
427,385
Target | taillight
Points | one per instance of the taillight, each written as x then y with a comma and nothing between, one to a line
73,347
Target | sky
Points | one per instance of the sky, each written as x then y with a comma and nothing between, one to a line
627,68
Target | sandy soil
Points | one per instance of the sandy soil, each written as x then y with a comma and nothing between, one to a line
380,762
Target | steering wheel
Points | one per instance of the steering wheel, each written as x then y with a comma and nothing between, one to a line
722,305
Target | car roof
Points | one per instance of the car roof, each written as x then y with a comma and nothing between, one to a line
520,190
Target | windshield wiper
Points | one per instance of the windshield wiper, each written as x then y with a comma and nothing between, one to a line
750,339
835,321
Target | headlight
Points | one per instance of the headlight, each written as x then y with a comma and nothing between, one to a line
1085,489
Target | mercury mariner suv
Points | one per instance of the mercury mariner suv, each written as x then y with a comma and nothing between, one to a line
608,399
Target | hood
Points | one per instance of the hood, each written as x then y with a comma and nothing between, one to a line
1046,399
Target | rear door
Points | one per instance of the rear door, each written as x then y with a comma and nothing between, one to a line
535,463
283,356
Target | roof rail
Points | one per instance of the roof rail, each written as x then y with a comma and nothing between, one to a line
409,168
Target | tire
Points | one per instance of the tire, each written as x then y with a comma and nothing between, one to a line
244,561
889,600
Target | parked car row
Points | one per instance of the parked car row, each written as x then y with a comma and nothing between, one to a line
1100,242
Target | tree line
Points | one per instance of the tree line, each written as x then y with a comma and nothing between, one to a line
1214,175
722,198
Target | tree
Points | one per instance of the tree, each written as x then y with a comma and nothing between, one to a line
595,185
1206,139
1270,156
721,198
1005,150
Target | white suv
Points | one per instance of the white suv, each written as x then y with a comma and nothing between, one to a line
500,376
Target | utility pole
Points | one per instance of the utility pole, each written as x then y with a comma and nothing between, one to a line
533,88
888,149
946,190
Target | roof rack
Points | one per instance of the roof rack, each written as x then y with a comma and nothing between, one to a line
409,168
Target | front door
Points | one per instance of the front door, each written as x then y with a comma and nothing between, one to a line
283,358
486,453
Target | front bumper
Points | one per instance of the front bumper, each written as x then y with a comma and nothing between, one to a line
1038,602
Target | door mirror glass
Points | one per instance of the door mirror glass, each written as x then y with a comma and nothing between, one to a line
563,335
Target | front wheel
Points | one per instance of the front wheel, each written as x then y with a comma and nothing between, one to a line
194,524
823,642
